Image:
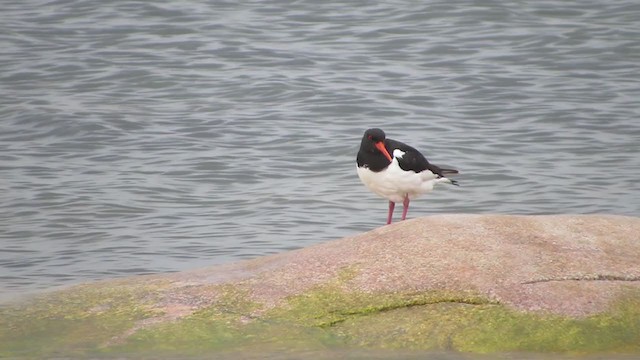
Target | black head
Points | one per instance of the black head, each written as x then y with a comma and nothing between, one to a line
374,135
373,142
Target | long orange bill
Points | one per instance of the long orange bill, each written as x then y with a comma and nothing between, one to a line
380,146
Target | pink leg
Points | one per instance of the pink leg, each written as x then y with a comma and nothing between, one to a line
392,206
405,207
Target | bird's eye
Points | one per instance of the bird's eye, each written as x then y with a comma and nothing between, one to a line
370,137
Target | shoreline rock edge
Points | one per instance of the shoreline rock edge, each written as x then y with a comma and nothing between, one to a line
473,283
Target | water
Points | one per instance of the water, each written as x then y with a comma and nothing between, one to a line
141,137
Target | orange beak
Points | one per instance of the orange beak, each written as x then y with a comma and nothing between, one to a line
380,146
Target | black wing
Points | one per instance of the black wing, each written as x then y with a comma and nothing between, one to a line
413,160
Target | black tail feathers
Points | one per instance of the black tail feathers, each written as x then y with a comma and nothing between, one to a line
446,172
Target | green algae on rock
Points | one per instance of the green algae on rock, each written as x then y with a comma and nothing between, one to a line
83,321
72,322
486,328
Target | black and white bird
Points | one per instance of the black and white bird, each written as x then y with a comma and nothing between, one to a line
397,171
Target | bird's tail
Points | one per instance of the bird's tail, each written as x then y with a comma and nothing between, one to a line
446,180
446,172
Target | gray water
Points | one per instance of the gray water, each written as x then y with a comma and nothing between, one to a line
142,137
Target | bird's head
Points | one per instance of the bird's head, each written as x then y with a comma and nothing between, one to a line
373,140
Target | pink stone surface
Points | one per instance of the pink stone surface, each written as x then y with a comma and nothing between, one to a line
566,264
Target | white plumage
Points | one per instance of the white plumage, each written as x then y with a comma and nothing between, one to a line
393,183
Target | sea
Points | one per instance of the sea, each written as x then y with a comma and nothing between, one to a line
142,137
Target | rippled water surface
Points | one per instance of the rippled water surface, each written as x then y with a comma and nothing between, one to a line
141,137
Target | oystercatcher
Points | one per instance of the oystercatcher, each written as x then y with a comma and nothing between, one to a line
397,171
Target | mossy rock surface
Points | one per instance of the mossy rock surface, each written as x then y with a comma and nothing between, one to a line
480,284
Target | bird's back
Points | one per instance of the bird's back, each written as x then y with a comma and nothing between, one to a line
413,160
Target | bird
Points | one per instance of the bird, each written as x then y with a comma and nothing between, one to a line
397,171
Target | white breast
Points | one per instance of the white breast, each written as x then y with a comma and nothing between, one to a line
393,183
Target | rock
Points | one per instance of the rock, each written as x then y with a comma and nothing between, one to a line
474,283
